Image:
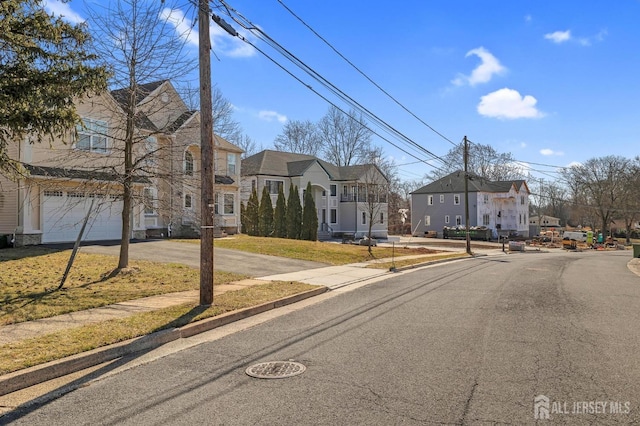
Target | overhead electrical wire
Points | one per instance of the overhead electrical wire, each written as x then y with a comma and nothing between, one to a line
249,26
363,73
327,84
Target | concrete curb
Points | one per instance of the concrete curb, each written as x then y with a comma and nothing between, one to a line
31,376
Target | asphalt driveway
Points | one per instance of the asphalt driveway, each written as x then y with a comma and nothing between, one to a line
257,265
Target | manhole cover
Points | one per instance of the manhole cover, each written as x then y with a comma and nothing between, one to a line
275,369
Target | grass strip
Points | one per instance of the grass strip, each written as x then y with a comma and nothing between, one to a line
29,277
416,261
326,252
30,352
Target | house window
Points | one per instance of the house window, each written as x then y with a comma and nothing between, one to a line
427,221
274,186
231,164
151,147
253,185
381,217
485,219
229,204
188,202
364,218
430,200
520,219
446,219
188,163
458,220
150,200
441,198
485,198
456,199
92,136
333,216
522,200
333,189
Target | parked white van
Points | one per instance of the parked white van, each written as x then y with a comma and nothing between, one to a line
575,235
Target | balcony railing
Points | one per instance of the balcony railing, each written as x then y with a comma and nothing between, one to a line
362,198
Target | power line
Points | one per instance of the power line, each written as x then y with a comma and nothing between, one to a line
363,73
248,25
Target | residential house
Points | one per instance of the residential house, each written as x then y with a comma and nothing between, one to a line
347,198
543,223
80,175
502,206
171,153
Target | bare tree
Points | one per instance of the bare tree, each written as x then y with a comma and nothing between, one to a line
248,146
600,183
139,45
224,125
300,137
373,189
630,202
484,161
346,139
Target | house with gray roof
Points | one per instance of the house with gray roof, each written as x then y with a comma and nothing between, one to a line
502,206
79,175
349,199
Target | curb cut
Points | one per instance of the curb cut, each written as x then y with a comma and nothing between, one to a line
31,376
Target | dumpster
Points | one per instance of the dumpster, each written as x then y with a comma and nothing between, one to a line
636,250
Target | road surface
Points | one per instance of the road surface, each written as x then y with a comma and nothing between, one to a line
467,342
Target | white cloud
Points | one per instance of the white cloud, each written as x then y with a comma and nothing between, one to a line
559,36
272,115
508,104
63,10
550,152
523,144
182,24
489,66
221,42
566,36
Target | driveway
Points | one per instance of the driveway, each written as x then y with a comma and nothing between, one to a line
257,265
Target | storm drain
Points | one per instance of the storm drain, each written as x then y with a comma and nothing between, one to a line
275,369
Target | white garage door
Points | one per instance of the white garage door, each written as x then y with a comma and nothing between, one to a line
64,212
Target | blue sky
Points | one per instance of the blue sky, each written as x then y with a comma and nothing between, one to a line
552,82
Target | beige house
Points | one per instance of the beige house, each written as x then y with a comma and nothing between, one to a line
80,175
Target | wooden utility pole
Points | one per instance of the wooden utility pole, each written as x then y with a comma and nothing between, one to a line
466,192
206,153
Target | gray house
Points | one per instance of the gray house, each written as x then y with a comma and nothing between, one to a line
348,198
502,206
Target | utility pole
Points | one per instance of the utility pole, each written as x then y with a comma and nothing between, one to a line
466,192
206,153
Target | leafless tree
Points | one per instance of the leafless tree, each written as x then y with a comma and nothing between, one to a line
484,161
300,137
600,184
139,45
630,201
373,190
346,139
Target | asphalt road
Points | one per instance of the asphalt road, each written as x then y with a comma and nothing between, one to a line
470,342
256,265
